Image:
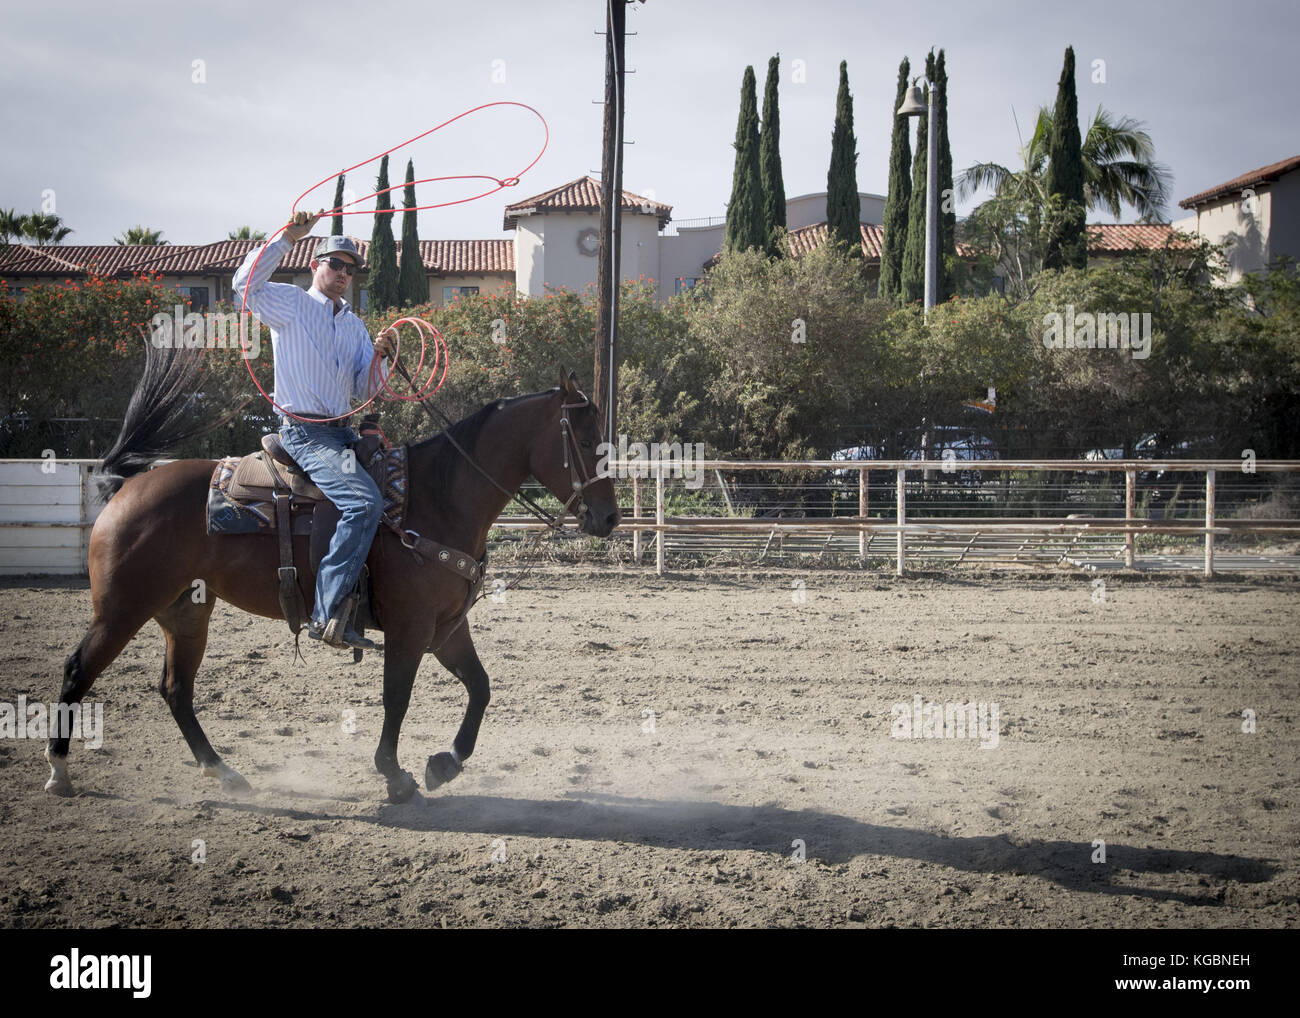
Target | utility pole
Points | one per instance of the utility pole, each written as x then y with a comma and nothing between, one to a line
608,277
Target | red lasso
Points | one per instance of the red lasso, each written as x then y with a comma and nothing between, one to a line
377,380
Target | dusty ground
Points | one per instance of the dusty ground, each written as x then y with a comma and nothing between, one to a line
1120,720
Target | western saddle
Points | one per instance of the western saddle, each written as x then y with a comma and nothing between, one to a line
269,492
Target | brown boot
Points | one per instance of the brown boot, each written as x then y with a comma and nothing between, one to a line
338,630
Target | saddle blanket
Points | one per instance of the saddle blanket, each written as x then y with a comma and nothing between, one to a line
241,494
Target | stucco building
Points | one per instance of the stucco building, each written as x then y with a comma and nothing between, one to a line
553,243
1256,214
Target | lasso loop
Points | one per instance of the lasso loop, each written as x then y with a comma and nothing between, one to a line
377,382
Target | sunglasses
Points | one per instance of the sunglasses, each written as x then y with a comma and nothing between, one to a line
339,265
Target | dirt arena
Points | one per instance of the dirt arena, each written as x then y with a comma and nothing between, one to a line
1120,719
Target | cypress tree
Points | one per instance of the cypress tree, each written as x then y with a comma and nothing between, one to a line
843,207
947,196
914,252
745,225
770,158
336,227
414,283
1066,246
383,249
898,197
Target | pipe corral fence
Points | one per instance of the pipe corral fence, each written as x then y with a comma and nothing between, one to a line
962,512
980,534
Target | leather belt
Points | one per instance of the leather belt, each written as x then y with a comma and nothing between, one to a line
324,419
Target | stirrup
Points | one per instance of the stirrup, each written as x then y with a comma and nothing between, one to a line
335,634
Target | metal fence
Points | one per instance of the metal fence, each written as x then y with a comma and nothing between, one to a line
1043,512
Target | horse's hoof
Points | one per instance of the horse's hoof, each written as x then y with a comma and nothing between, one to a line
59,782
61,788
401,788
440,769
236,784
232,782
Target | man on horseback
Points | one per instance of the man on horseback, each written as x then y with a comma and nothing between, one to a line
323,353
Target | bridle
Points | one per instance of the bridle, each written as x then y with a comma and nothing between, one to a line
577,473
567,439
576,467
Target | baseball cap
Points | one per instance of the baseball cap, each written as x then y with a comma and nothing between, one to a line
338,245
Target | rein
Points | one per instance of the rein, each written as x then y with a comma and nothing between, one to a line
580,482
577,473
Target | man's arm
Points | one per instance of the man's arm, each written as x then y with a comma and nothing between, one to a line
365,354
271,302
274,303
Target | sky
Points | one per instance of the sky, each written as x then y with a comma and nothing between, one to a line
197,119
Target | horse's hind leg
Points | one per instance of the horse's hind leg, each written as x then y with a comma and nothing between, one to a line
185,624
104,640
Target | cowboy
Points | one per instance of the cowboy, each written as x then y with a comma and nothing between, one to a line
323,354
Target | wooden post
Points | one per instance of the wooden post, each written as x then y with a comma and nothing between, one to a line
1130,510
604,384
902,518
726,496
862,511
86,498
659,519
636,512
1209,523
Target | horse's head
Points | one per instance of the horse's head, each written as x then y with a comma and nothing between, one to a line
564,459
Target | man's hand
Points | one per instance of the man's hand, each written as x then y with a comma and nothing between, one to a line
301,224
385,343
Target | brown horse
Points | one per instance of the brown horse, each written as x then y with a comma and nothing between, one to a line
150,545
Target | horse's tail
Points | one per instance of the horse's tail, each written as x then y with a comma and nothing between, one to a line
157,418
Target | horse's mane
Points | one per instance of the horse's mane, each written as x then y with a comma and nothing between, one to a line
466,433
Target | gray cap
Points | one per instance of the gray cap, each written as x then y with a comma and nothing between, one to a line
341,245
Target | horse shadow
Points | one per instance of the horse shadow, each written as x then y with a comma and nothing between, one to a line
831,838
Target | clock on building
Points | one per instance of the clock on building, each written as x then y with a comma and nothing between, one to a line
589,242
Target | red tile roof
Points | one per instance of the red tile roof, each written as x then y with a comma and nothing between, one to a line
441,257
1237,184
69,260
581,195
809,238
1118,238
1102,238
468,257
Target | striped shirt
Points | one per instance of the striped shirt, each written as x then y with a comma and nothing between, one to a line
322,358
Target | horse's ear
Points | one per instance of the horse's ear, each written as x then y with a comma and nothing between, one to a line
563,379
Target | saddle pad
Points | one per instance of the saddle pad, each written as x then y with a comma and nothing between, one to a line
241,494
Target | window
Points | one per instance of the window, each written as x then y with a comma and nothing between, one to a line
450,293
684,283
198,296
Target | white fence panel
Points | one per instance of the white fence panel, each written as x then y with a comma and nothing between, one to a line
45,511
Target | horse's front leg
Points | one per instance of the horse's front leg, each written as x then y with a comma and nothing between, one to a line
458,656
402,655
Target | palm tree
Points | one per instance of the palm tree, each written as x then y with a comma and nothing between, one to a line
246,233
141,235
43,228
10,226
1118,161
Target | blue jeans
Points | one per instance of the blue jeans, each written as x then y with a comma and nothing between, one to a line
319,450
